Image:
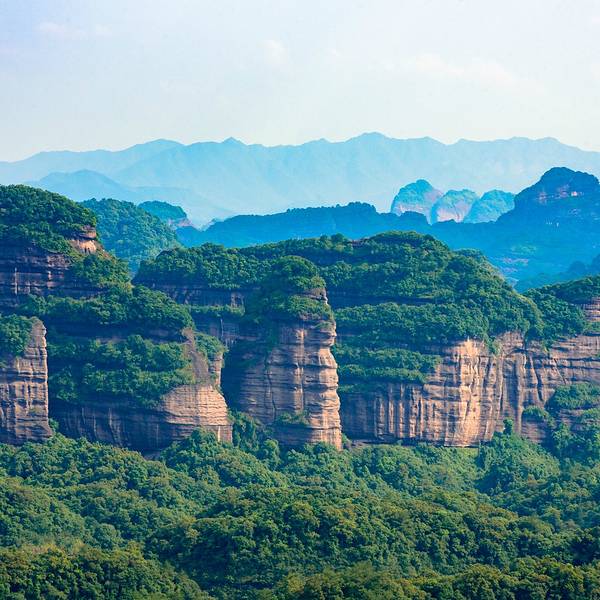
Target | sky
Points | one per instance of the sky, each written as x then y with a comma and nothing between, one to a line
84,74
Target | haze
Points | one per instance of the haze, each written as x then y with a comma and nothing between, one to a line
83,74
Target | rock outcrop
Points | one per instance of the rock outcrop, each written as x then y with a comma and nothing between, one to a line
490,206
283,374
418,197
28,269
453,205
472,391
151,428
24,392
288,381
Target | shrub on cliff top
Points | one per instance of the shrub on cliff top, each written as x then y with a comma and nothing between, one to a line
209,265
134,309
579,291
291,288
47,220
15,334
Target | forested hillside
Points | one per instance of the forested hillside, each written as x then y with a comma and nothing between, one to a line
226,505
130,232
554,223
509,521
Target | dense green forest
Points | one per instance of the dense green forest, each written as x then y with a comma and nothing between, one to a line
32,216
167,213
130,232
395,297
15,333
251,520
85,365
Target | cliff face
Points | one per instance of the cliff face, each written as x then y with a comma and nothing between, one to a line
199,295
28,270
289,382
453,205
24,393
417,197
285,378
147,429
472,391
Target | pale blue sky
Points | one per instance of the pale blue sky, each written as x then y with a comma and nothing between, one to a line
82,74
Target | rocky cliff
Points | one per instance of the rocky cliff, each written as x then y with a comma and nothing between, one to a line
279,368
150,428
28,269
453,205
288,381
472,391
24,392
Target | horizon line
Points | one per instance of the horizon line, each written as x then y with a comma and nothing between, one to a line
232,139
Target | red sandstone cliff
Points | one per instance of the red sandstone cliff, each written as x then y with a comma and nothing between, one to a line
24,392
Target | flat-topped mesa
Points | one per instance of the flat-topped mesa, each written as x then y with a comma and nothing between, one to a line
425,349
24,387
153,426
123,366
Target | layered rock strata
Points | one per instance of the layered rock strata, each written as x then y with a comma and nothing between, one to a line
147,429
288,381
472,391
24,392
28,270
285,377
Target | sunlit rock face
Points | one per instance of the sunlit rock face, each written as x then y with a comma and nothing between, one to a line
472,391
288,381
150,428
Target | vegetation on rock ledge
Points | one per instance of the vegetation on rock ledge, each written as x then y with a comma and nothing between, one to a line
15,334
31,216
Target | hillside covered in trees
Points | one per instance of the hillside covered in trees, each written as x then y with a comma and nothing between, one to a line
250,517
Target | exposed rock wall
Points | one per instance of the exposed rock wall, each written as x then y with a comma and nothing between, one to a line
288,381
147,429
285,378
28,270
24,393
472,391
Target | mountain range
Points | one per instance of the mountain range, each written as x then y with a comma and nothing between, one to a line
214,180
554,223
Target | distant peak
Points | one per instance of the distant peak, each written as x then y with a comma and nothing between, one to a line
421,185
556,184
370,136
418,196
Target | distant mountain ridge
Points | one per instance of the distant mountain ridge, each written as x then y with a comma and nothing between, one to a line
80,184
106,162
553,223
210,179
